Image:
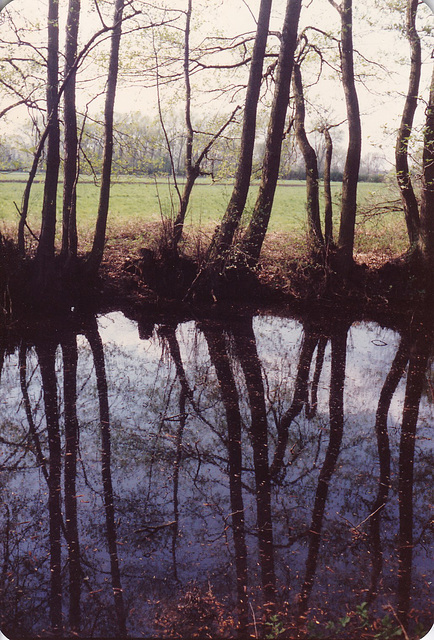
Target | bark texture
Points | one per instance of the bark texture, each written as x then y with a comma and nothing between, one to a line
70,172
352,163
225,233
45,251
310,159
408,197
112,78
255,233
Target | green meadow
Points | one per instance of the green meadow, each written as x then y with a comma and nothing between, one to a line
135,201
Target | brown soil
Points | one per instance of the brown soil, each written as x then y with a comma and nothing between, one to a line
285,275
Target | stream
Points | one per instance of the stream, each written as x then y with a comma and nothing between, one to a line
216,478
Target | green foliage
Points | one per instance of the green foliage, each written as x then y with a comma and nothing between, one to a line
388,629
275,627
359,624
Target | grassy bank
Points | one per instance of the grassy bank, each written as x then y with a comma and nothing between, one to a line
135,202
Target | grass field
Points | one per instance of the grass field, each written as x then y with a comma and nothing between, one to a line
135,201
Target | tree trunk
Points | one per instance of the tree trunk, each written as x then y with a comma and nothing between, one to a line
352,163
408,197
225,233
45,251
427,199
70,173
328,205
316,239
255,233
191,171
96,254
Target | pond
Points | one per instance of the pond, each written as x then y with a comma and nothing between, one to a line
265,476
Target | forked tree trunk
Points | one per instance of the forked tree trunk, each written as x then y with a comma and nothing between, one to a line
408,197
225,233
253,239
96,254
316,239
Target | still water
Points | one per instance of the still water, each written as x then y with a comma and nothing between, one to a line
264,476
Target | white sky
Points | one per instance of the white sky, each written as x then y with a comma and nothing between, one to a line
380,100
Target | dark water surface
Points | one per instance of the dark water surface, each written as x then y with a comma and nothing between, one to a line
217,479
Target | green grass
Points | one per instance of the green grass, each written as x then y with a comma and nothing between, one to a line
136,200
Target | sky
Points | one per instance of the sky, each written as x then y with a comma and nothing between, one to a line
381,97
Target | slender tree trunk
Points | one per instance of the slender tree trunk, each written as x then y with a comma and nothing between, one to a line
316,239
328,204
70,172
45,251
191,170
352,163
408,197
253,239
225,233
96,254
427,200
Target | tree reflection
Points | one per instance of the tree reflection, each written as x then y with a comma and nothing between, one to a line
217,346
247,353
46,351
336,413
70,358
96,345
311,340
201,448
168,333
389,387
415,383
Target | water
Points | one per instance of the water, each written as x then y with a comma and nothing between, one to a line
216,479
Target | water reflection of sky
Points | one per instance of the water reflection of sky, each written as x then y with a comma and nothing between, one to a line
144,394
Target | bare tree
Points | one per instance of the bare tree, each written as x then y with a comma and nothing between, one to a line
312,176
70,172
225,233
96,254
45,251
408,196
255,233
427,197
350,178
